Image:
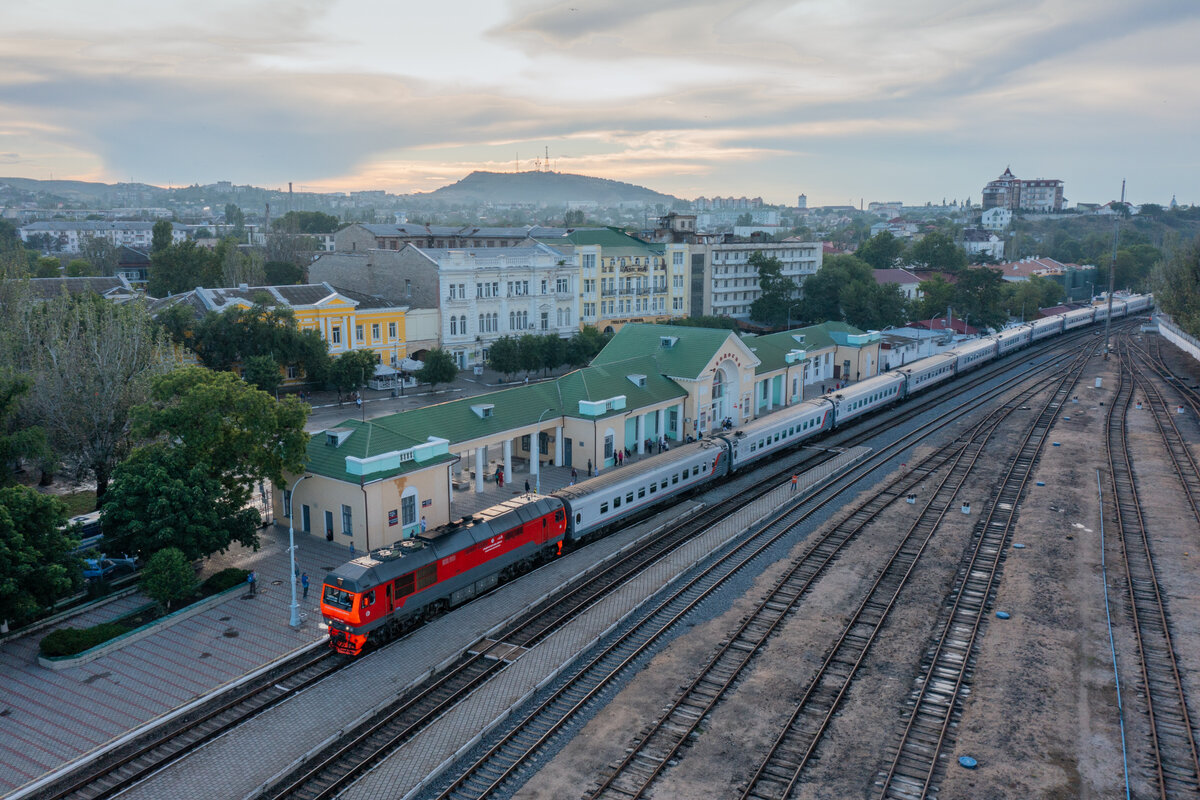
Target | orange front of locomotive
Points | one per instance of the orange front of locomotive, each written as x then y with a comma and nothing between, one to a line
343,615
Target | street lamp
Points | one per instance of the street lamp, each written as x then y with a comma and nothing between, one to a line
789,314
294,619
536,447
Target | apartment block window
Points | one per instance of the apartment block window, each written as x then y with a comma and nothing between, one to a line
408,510
677,282
375,332
407,288
589,285
545,320
454,326
293,371
335,334
589,310
589,261
347,521
545,284
391,330
358,333
677,258
562,285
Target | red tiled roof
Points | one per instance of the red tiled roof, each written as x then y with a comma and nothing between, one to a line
939,324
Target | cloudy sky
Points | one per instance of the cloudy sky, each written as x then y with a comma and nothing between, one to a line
840,99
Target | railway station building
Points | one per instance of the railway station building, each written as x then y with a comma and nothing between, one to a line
371,483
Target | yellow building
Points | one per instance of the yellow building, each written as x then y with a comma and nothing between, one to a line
346,320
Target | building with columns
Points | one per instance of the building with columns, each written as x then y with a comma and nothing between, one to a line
372,483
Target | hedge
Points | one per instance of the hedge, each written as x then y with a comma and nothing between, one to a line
220,581
70,641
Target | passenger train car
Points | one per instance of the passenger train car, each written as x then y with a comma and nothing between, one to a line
379,595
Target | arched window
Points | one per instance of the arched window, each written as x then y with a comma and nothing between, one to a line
453,326
718,387
462,324
482,320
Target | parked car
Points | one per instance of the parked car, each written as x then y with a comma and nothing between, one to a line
95,569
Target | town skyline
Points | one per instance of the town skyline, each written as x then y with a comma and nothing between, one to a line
844,105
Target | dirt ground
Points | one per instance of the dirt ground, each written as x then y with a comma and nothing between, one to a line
1041,715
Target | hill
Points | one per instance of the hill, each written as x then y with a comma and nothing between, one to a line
543,188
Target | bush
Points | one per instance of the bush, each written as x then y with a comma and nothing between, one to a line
168,577
225,579
70,641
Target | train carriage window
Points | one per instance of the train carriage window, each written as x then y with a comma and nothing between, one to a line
753,447
578,518
616,502
403,586
338,598
426,576
683,475
664,483
604,508
674,479
641,491
653,488
629,497
559,515
696,470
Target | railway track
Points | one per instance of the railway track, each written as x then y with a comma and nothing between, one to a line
662,744
501,763
948,667
1173,762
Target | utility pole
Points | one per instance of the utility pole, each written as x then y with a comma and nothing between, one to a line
1112,271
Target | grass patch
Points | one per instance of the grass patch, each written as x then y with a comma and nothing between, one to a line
79,502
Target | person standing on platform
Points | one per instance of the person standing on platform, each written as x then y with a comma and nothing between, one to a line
422,523
589,468
304,586
527,486
574,476
252,582
795,480
499,477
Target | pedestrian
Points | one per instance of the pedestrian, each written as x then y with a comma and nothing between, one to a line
352,550
589,468
500,477
620,458
297,570
527,486
422,523
252,582
304,586
574,476
795,480
358,402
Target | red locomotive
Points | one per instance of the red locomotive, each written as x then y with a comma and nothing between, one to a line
380,595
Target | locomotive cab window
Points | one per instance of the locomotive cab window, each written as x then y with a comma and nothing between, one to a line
368,599
339,598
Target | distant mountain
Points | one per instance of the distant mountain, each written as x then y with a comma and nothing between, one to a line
542,188
82,191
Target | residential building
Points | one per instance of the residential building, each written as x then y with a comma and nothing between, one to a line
1009,191
407,276
1078,281
896,226
134,265
624,279
367,236
115,288
980,242
63,236
910,284
996,219
733,285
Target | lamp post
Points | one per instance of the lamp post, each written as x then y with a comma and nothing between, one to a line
294,618
536,446
789,314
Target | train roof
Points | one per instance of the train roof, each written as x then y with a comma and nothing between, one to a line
644,466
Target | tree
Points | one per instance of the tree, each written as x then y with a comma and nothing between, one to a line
161,497
263,373
744,220
529,350
306,222
238,266
351,370
979,297
584,344
162,236
282,273
221,340
239,433
48,267
873,306
936,250
1176,284
100,253
823,297
235,218
181,268
439,368
38,564
90,361
778,291
554,351
18,441
881,251
78,268
1024,298
168,576
504,356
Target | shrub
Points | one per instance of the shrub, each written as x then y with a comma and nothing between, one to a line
168,576
70,641
225,579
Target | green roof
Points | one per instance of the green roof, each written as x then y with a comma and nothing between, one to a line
605,381
686,358
365,440
772,347
614,242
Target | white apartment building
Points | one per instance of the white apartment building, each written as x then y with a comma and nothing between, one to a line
66,236
732,282
487,294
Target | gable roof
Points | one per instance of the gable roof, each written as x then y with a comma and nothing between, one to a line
105,286
886,276
365,440
686,358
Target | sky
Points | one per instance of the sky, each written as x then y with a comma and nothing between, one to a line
842,100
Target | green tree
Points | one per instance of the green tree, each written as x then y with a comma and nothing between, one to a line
936,250
239,433
223,339
873,306
937,294
100,253
1176,285
181,268
744,220
979,297
554,351
78,268
306,222
48,267
18,441
37,561
262,372
439,368
282,273
238,265
881,251
168,576
350,371
1024,298
162,236
823,292
504,356
778,291
584,345
161,497
529,350
235,217
90,361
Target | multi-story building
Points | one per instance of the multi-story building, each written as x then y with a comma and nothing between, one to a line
981,242
486,294
732,283
624,279
62,236
1009,191
366,236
